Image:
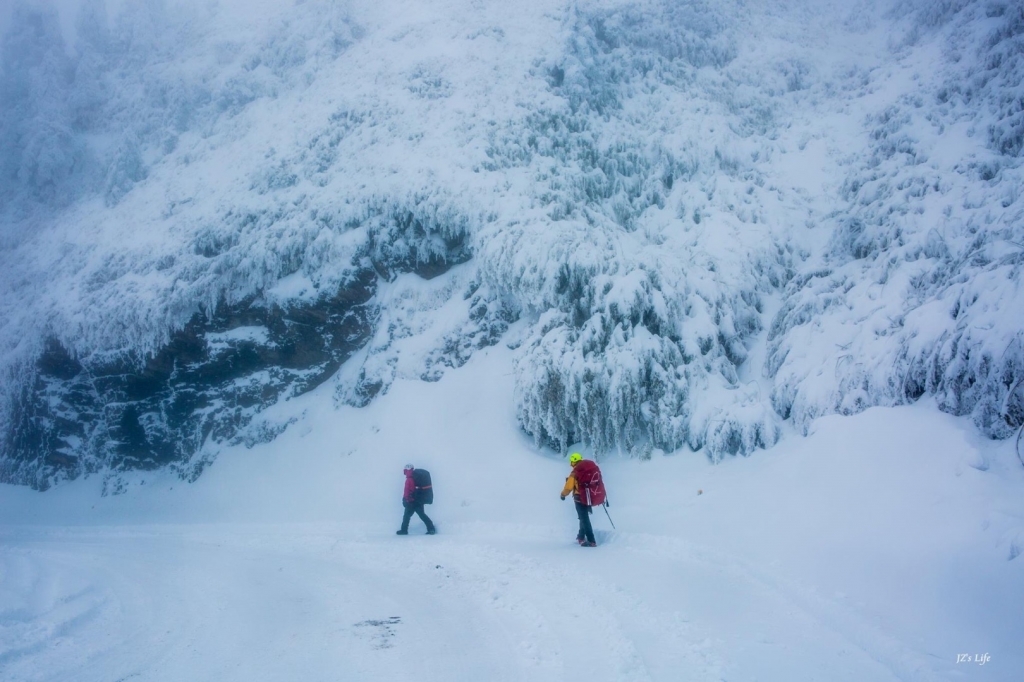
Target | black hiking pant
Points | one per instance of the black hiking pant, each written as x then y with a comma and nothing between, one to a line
415,507
586,530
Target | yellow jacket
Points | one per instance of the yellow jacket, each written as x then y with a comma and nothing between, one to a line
570,486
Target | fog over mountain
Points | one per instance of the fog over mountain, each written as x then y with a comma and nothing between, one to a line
697,223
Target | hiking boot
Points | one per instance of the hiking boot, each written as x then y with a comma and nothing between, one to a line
580,540
588,543
401,532
432,531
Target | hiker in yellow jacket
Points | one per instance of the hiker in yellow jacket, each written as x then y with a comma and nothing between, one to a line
585,536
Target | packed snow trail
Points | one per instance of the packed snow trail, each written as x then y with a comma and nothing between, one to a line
497,603
825,558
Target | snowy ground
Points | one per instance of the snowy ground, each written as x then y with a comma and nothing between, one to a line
881,547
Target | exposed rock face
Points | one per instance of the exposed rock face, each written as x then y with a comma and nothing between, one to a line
204,387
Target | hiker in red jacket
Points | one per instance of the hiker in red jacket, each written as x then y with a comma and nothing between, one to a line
418,492
587,488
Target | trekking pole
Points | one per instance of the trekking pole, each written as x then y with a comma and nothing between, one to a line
605,505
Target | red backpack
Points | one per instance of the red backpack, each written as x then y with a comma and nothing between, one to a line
589,485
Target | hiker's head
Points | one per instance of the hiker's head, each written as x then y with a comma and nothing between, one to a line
575,458
408,469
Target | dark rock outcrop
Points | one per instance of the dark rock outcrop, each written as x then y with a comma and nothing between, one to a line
204,387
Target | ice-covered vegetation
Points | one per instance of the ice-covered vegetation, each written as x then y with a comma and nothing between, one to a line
612,180
919,291
647,251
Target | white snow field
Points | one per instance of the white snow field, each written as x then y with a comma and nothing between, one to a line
880,547
781,241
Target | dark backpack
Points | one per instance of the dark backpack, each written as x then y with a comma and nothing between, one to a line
424,493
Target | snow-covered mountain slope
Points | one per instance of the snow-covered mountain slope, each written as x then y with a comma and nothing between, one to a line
880,547
709,217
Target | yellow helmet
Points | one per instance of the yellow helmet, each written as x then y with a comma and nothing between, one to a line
575,458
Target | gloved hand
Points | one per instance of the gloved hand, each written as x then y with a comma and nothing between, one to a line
562,498
607,503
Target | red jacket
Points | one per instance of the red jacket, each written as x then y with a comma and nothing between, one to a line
409,494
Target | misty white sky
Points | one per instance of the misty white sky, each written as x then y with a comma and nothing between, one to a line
66,8
244,10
